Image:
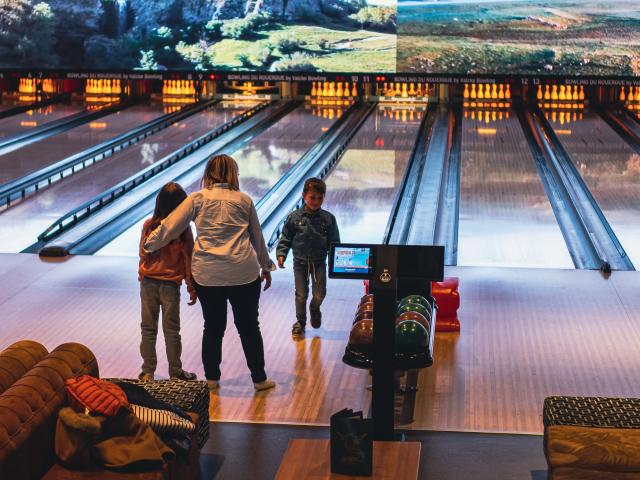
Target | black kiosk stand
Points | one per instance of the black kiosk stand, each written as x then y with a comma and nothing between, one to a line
393,271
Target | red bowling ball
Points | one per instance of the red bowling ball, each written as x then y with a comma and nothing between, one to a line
366,307
416,316
366,299
361,336
366,315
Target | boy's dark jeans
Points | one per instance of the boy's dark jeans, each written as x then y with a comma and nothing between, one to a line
244,301
303,270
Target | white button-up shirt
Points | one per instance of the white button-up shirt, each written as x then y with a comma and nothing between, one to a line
229,248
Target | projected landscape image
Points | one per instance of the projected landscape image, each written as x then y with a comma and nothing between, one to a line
255,35
554,37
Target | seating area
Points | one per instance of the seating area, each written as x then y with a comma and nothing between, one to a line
32,393
589,438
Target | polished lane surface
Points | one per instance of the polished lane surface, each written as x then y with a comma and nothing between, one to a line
23,122
56,148
21,224
611,170
506,219
361,189
262,162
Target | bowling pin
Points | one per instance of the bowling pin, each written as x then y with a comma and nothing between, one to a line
481,91
562,95
473,90
581,95
493,116
554,93
332,89
339,91
494,91
412,91
547,93
507,94
313,89
466,91
501,92
539,95
404,91
637,94
354,90
622,96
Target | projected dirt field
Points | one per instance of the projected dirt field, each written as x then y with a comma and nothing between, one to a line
556,37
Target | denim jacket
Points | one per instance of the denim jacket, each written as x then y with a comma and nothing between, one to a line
309,235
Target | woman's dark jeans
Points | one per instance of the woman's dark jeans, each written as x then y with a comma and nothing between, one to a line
244,301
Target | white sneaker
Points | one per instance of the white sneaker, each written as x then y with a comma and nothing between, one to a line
213,385
265,385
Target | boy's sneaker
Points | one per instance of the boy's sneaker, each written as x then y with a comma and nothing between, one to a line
184,375
213,385
264,385
316,318
297,329
146,377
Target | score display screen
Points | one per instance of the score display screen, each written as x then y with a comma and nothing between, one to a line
350,261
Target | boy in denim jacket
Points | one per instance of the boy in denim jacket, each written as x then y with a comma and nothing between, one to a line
309,232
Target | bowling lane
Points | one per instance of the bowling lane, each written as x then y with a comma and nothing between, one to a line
361,189
23,122
261,162
611,170
25,160
21,224
505,216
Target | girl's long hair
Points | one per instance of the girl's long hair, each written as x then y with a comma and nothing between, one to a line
221,169
169,197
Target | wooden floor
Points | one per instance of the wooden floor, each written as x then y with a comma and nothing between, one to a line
525,334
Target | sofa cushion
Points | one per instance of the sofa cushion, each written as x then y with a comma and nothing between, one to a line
17,359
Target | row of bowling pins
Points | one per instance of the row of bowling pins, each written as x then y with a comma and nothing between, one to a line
403,90
323,101
560,93
632,96
103,86
486,116
632,106
178,87
27,85
489,91
333,89
403,115
329,113
181,100
563,117
487,104
553,106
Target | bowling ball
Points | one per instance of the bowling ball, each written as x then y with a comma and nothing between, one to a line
418,317
367,314
416,299
361,336
365,307
411,337
414,307
366,299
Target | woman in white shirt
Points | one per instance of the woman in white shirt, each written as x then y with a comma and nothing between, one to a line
230,260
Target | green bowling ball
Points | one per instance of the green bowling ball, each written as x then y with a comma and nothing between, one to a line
414,307
411,337
416,299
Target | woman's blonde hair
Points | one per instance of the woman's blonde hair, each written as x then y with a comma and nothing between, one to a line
221,169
